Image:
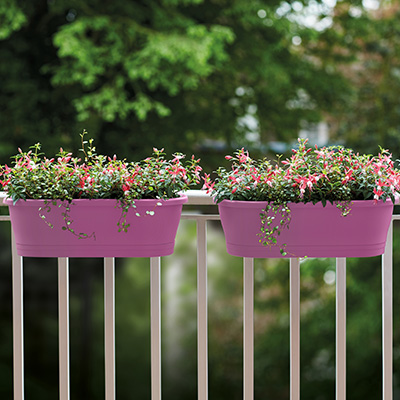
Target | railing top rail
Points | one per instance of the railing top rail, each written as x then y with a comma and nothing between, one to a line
3,195
199,198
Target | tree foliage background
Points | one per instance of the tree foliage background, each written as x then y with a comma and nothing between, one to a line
176,73
202,76
170,73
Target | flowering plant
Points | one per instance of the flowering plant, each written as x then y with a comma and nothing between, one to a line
65,178
330,174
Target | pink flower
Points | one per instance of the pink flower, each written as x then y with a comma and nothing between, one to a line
81,183
177,157
207,183
5,183
256,179
348,177
243,156
378,193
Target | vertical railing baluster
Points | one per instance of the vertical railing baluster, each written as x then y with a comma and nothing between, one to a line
63,327
109,327
18,322
387,317
155,305
340,329
202,319
248,329
294,329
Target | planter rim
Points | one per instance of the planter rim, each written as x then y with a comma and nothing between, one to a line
258,203
99,202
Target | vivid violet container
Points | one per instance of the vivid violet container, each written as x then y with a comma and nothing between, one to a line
314,230
147,235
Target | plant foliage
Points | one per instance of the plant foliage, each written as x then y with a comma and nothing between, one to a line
64,177
328,174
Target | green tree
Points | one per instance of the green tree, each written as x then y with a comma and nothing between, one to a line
364,44
168,73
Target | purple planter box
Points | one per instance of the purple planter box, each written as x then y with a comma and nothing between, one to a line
314,230
147,235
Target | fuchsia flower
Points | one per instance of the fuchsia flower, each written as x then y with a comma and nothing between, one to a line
81,182
208,184
378,193
310,174
348,177
257,179
6,182
177,170
177,157
304,183
98,176
243,156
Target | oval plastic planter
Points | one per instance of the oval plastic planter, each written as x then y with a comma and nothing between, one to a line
147,235
314,230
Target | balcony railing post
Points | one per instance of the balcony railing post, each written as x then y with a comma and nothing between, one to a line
387,317
294,329
109,327
18,322
248,329
63,327
340,329
202,337
155,305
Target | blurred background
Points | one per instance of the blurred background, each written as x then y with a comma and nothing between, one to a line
201,77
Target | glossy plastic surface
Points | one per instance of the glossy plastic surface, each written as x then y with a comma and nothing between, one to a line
147,236
314,230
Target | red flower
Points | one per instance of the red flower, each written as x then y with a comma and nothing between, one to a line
81,183
378,193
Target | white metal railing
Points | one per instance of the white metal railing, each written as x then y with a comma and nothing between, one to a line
199,198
